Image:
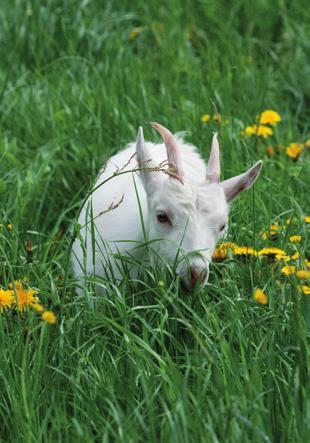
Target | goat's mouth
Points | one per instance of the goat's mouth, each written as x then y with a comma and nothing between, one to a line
185,286
189,284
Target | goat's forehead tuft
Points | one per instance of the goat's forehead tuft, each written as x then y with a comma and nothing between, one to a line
175,187
211,198
173,194
203,198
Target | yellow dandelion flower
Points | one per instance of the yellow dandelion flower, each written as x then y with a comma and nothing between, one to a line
307,219
269,117
263,131
307,263
295,238
18,284
302,274
269,151
220,253
272,252
49,317
134,33
217,117
294,150
295,256
25,297
273,231
244,250
37,307
260,297
10,226
288,270
305,289
205,118
307,144
274,227
283,257
249,130
7,299
260,130
229,245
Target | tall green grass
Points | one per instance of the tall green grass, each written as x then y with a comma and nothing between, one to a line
146,362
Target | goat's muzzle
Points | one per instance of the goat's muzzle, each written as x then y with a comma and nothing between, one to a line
197,276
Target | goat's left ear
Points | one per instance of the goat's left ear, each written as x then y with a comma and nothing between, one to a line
146,163
233,186
214,168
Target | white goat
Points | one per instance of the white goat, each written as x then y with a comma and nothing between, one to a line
185,208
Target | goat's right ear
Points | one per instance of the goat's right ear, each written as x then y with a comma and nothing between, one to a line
145,163
233,186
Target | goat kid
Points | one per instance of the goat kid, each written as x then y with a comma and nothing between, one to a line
184,210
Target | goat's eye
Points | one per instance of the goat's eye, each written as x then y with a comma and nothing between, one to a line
162,217
222,227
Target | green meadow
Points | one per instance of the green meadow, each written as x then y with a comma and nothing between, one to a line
146,362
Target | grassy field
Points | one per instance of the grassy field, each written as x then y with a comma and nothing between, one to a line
147,363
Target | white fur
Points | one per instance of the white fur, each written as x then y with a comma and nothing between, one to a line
197,209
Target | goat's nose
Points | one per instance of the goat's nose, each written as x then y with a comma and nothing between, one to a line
197,273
